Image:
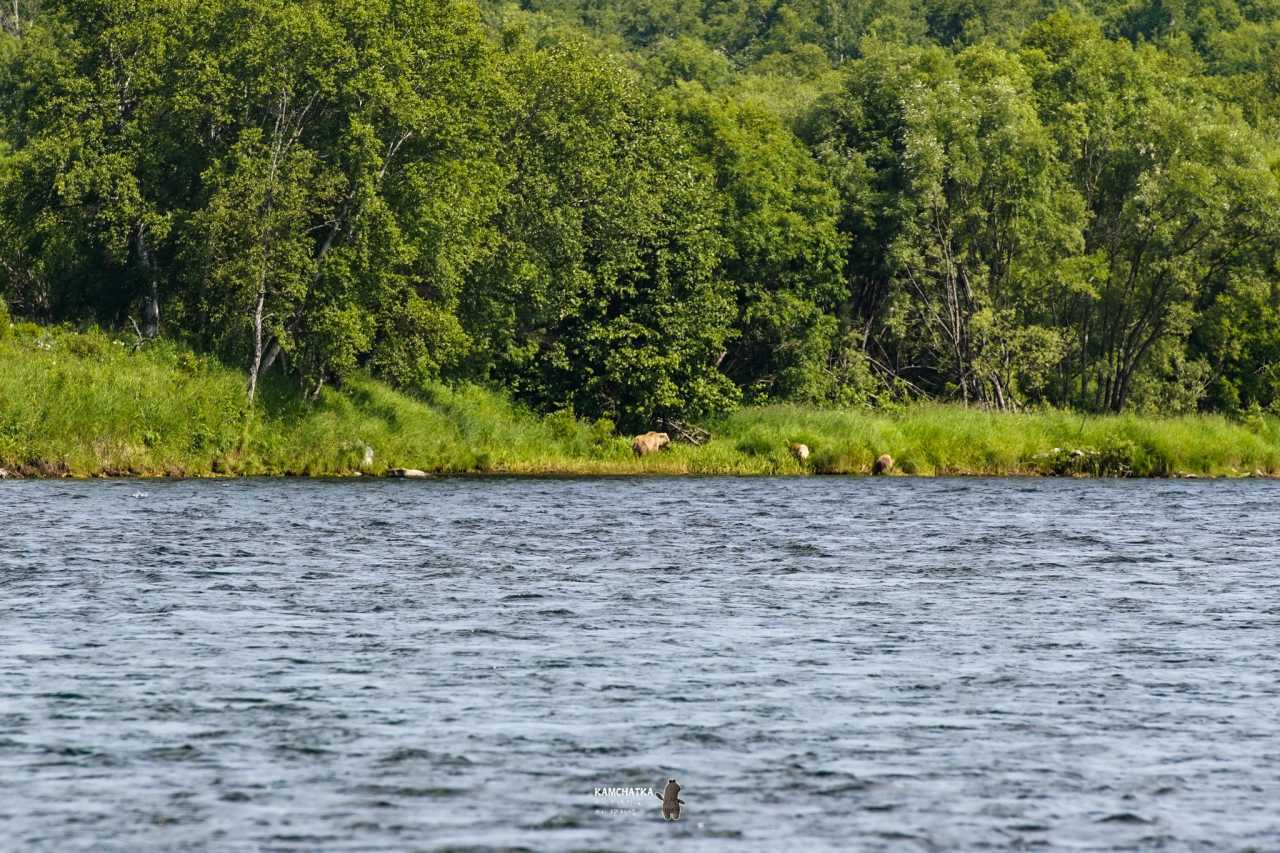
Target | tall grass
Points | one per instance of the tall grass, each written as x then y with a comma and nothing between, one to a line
939,440
85,404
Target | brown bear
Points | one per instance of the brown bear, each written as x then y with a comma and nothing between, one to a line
800,452
883,465
671,801
650,442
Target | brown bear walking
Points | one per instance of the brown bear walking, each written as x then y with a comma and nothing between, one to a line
650,442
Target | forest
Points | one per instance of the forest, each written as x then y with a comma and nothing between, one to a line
654,210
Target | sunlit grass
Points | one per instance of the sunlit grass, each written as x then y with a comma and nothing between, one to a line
81,403
938,440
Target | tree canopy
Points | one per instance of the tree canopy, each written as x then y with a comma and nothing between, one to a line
658,209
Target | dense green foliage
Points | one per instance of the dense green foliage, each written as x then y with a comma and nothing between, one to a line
656,209
89,404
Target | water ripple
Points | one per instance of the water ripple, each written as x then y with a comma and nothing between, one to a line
824,663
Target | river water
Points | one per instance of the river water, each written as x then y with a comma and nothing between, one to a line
822,663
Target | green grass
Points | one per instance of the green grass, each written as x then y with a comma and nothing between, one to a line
84,404
935,440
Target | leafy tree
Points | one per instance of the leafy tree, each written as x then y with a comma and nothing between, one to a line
784,250
88,194
603,294
1245,68
16,16
959,214
300,178
354,188
1178,191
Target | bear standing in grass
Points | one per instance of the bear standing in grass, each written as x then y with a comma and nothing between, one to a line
650,442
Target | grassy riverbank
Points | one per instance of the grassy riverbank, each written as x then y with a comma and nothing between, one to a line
84,404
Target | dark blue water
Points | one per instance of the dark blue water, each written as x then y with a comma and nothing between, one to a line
822,664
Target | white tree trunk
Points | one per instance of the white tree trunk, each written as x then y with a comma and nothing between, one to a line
257,343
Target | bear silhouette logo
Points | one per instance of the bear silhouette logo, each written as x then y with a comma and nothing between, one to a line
671,801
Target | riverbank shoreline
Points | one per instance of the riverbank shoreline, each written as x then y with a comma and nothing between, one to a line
82,404
14,477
